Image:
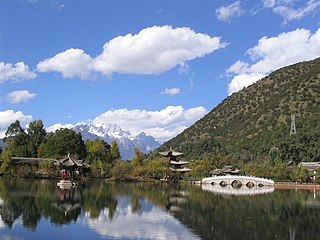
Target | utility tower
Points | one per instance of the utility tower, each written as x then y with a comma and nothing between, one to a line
293,129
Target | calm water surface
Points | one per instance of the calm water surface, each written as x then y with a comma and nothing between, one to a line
38,209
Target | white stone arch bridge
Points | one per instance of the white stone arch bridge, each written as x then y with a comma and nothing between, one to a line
237,181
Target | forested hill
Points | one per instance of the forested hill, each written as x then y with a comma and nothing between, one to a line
255,122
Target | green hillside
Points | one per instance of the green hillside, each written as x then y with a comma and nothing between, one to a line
255,123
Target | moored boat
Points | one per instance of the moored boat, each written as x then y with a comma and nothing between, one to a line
66,184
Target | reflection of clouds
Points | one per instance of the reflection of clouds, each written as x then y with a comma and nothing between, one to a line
2,225
9,237
149,223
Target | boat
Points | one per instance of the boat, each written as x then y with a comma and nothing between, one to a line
66,184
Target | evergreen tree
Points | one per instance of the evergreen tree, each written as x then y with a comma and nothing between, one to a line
37,134
16,140
65,141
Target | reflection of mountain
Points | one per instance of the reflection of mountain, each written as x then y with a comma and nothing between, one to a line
151,223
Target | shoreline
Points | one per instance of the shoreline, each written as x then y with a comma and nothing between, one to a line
296,185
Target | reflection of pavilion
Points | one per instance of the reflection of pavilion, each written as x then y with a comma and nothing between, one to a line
175,164
68,202
176,198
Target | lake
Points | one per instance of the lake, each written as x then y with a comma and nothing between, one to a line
38,209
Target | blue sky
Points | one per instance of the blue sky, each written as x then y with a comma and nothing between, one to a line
152,66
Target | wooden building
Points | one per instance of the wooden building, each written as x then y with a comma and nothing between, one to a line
312,167
225,171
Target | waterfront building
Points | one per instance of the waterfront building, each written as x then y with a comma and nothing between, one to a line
312,167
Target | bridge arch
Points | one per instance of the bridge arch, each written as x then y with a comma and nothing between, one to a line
223,183
250,184
236,183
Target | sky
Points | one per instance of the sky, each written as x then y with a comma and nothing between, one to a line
156,66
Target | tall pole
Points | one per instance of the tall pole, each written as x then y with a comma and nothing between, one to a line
293,129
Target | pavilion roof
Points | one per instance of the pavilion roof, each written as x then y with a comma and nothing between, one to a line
171,153
69,162
310,166
179,163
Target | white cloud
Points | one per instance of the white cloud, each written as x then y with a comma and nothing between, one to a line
162,125
226,13
55,4
20,96
57,126
269,3
184,68
150,223
16,72
9,116
2,224
170,91
154,50
273,53
70,63
244,80
288,8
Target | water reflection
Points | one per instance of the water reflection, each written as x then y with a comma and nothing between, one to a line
150,222
239,191
69,201
119,211
93,210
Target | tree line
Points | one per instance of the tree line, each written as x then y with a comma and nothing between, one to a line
105,159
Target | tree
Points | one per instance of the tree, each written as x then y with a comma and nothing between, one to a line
122,170
158,168
13,130
65,141
6,161
200,168
115,153
137,158
37,135
299,173
99,156
16,140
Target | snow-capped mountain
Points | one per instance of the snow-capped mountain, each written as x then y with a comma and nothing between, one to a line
2,144
110,132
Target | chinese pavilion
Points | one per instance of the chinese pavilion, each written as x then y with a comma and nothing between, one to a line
175,164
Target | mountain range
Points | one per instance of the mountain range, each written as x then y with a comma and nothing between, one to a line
112,132
253,122
2,144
